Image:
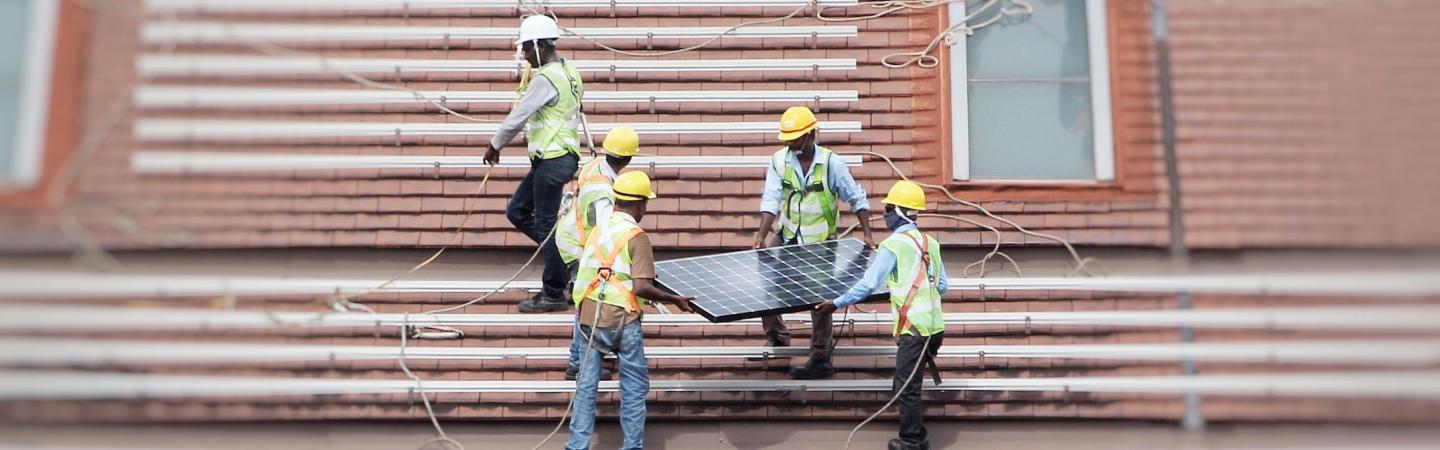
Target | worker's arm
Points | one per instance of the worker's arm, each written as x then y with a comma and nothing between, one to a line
843,184
769,207
539,94
642,274
880,267
646,288
942,278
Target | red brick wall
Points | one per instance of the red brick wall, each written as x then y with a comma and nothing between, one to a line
1307,124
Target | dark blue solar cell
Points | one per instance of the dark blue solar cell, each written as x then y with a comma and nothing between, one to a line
754,283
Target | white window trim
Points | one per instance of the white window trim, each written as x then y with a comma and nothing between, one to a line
1097,25
34,101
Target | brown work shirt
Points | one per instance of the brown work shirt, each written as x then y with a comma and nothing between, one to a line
642,266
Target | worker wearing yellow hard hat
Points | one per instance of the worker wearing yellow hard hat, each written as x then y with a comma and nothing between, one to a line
616,276
549,113
591,203
804,187
909,263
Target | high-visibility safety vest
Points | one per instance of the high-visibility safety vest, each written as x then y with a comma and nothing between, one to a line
553,130
604,274
591,187
808,208
914,294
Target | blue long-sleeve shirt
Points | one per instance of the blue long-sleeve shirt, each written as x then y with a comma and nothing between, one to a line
881,266
837,174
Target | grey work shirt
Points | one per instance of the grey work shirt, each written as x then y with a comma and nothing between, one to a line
539,94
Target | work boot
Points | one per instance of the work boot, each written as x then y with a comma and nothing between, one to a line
773,342
896,444
541,303
813,369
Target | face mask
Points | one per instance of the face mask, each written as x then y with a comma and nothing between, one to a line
894,220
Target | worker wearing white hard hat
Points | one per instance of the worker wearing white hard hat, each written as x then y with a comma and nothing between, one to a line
549,113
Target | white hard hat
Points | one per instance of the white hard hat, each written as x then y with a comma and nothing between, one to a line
538,26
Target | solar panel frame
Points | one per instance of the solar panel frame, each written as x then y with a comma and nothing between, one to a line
777,280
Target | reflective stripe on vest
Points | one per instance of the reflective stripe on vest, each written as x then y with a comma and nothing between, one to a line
592,186
914,294
604,273
807,207
553,131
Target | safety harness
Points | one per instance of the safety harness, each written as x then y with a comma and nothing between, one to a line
926,274
605,274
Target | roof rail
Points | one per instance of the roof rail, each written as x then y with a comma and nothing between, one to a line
166,32
149,96
152,65
188,129
220,6
1382,319
39,285
155,162
34,385
41,352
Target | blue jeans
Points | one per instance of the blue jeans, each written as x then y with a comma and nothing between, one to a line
534,208
634,383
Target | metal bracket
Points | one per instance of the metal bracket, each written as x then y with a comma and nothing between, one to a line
765,356
446,43
817,103
437,170
1027,325
405,9
982,360
444,102
652,104
376,334
815,73
612,73
804,394
982,292
397,137
650,40
814,40
398,73
612,9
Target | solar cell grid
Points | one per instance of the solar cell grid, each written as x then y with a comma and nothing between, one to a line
753,283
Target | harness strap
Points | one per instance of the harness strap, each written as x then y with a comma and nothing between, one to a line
924,244
606,273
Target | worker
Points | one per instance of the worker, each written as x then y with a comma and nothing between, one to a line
909,263
592,205
617,272
803,187
549,111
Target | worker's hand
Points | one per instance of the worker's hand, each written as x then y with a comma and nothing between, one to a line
683,304
759,241
826,308
492,156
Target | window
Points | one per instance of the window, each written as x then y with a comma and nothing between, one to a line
1030,95
27,39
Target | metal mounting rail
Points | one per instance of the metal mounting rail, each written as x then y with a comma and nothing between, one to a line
233,6
153,65
151,96
157,162
1378,318
165,32
47,352
187,130
39,385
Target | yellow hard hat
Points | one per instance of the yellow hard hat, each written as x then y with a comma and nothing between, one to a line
906,194
632,186
622,141
796,122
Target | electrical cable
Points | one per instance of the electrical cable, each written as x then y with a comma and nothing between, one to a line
918,362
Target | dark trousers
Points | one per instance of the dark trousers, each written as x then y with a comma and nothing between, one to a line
912,351
534,208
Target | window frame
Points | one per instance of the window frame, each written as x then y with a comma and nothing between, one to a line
33,105
1098,42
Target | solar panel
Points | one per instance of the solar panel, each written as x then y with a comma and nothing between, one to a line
753,283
